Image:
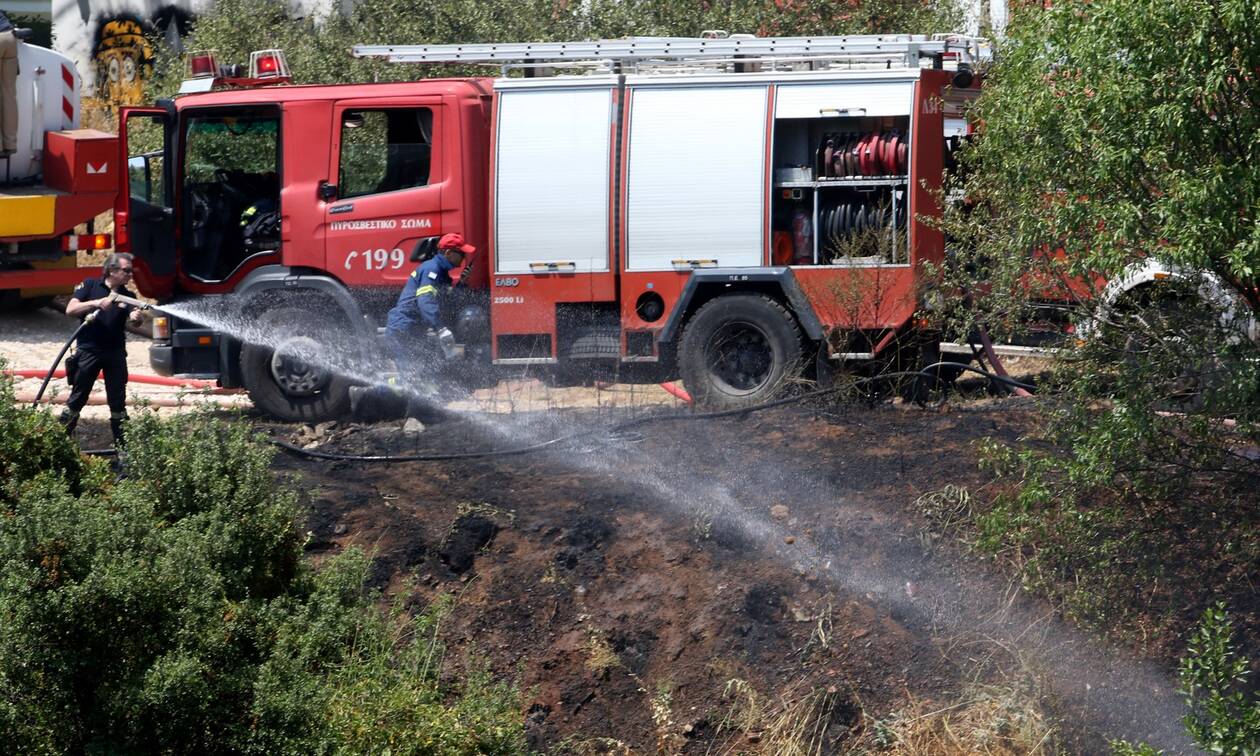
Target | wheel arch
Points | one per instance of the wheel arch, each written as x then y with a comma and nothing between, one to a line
777,283
257,293
1154,278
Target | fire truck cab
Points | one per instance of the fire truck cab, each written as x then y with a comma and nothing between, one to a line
725,208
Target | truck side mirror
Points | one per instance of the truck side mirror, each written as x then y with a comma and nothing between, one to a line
424,249
327,191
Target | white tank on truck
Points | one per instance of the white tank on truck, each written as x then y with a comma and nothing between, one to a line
60,177
48,100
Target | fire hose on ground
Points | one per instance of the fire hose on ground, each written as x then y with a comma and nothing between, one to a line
663,417
999,377
152,380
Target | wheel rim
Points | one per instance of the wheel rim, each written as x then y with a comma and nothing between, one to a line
294,370
1182,382
740,358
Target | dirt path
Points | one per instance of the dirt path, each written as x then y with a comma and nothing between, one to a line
658,565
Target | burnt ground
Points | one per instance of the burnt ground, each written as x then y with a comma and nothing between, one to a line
782,548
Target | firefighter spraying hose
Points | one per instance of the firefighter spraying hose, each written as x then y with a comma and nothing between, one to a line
106,306
91,317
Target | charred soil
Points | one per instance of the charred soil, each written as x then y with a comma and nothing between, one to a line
625,580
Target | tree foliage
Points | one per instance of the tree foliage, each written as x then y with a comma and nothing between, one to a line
318,47
173,612
1117,129
1111,131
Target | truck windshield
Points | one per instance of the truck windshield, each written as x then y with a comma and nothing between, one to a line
231,190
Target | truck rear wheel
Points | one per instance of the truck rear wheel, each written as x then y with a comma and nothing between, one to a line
1168,340
291,378
739,350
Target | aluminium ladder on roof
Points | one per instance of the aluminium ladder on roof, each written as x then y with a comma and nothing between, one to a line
911,48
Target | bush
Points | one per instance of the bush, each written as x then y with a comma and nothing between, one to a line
34,443
172,611
222,486
1223,717
1141,467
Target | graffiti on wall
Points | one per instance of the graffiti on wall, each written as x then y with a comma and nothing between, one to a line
123,59
123,50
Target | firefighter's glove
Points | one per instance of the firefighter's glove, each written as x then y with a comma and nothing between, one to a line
447,340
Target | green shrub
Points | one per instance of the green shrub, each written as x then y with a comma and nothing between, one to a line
172,612
1223,718
221,486
34,442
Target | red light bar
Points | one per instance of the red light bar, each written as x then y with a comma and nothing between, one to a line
202,65
268,64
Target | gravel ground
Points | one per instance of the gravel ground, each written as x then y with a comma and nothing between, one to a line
30,340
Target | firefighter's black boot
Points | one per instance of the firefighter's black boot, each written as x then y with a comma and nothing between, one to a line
69,419
117,426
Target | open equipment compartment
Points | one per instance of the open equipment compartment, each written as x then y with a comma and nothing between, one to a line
841,157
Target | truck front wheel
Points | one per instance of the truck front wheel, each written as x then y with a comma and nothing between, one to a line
292,376
739,350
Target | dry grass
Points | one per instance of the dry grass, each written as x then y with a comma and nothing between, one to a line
795,725
989,720
600,657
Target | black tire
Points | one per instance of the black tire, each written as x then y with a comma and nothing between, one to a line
305,391
739,350
1162,338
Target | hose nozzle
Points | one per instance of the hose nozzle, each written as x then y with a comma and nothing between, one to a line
115,296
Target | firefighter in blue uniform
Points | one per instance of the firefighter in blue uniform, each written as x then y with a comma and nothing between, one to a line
414,331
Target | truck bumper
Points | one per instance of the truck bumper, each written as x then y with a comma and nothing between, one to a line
182,361
162,359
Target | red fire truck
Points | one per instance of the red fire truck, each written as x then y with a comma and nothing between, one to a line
726,208
59,178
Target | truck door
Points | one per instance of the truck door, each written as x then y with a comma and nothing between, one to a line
389,173
144,218
229,194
